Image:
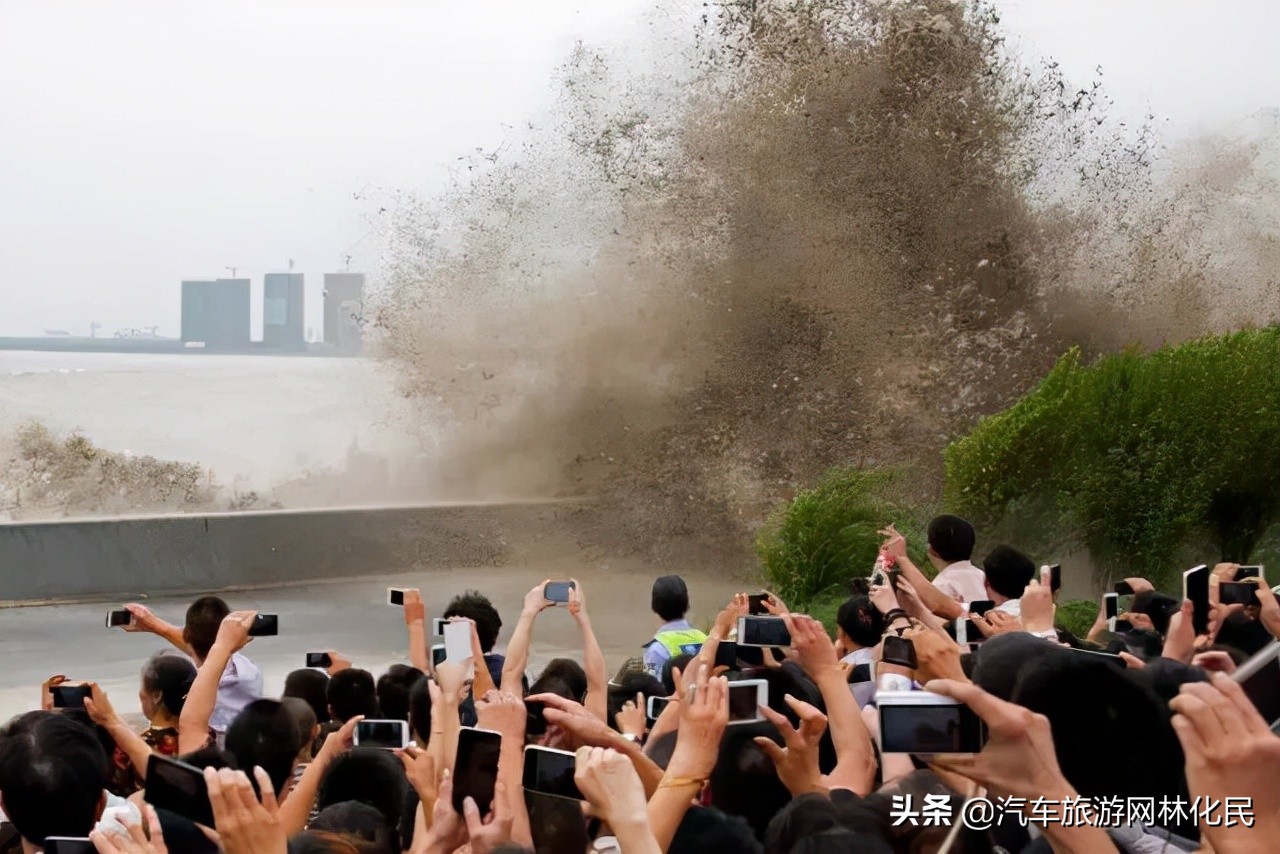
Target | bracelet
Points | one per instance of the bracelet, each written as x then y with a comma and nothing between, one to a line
680,782
896,614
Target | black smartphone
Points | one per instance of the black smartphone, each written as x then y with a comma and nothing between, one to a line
265,625
654,707
981,607
1111,602
476,767
550,772
70,696
1055,577
746,696
1238,593
68,845
900,651
923,723
1123,626
763,631
438,654
395,596
558,591
755,604
1124,588
1244,572
319,659
726,655
1195,586
535,722
179,788
115,619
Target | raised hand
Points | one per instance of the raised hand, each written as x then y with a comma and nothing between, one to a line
883,597
414,610
811,644
797,761
536,601
46,691
245,825
337,662
577,601
704,713
631,719
936,656
134,840
233,634
491,831
611,785
1037,604
143,620
420,769
997,622
503,712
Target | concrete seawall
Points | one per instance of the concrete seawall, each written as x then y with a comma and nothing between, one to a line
108,558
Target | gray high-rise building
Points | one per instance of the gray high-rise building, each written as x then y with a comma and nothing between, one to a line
343,307
283,322
215,313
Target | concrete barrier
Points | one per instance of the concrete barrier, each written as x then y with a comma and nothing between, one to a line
109,558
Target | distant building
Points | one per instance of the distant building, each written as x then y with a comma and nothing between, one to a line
343,307
215,314
283,323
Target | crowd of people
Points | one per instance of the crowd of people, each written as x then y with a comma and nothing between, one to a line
1133,739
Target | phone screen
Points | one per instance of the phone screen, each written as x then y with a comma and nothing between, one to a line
395,596
476,768
1112,602
900,651
981,607
557,591
755,603
391,735
70,696
437,626
1055,577
727,655
115,619
535,721
438,654
319,659
1195,586
927,729
265,625
179,788
1238,593
68,845
745,701
763,631
656,705
556,823
550,772
1260,679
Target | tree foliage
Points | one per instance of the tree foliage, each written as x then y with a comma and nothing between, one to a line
1141,459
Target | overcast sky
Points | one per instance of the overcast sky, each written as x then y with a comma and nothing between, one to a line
146,142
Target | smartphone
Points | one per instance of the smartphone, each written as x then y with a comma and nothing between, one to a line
900,651
1111,601
70,696
395,596
1124,588
1055,577
655,706
558,591
457,641
319,659
437,626
746,696
535,722
763,631
1254,571
550,772
1238,593
115,619
388,735
179,788
755,604
726,655
265,625
68,845
1260,679
438,654
476,767
924,723
1195,586
981,607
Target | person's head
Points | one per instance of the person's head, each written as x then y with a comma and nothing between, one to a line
209,757
310,686
706,829
859,623
52,776
1008,573
564,677
744,781
950,539
480,610
368,775
304,718
166,679
357,822
676,662
266,734
420,712
351,692
324,842
670,598
632,684
393,691
204,618
814,822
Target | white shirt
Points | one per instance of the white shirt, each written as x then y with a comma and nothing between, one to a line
962,581
862,655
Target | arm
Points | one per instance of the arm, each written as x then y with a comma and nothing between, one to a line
506,714
297,806
415,621
597,697
933,598
451,677
611,786
145,621
482,679
104,715
535,601
193,723
703,716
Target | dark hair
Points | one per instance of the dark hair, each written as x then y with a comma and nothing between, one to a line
171,676
670,597
52,775
564,677
265,733
1008,571
420,712
476,607
210,757
324,842
304,718
312,686
668,678
744,781
1157,606
707,829
351,692
951,538
861,621
632,684
359,822
370,776
393,691
204,618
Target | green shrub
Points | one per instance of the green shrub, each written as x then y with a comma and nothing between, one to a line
1145,460
827,535
1076,616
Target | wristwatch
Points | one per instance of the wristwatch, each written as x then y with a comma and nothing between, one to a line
631,737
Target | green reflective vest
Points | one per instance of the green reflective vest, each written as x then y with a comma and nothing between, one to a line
680,642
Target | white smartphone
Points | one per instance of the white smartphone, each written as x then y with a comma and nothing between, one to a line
437,626
386,734
457,641
395,596
1111,602
763,631
655,705
924,723
746,696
